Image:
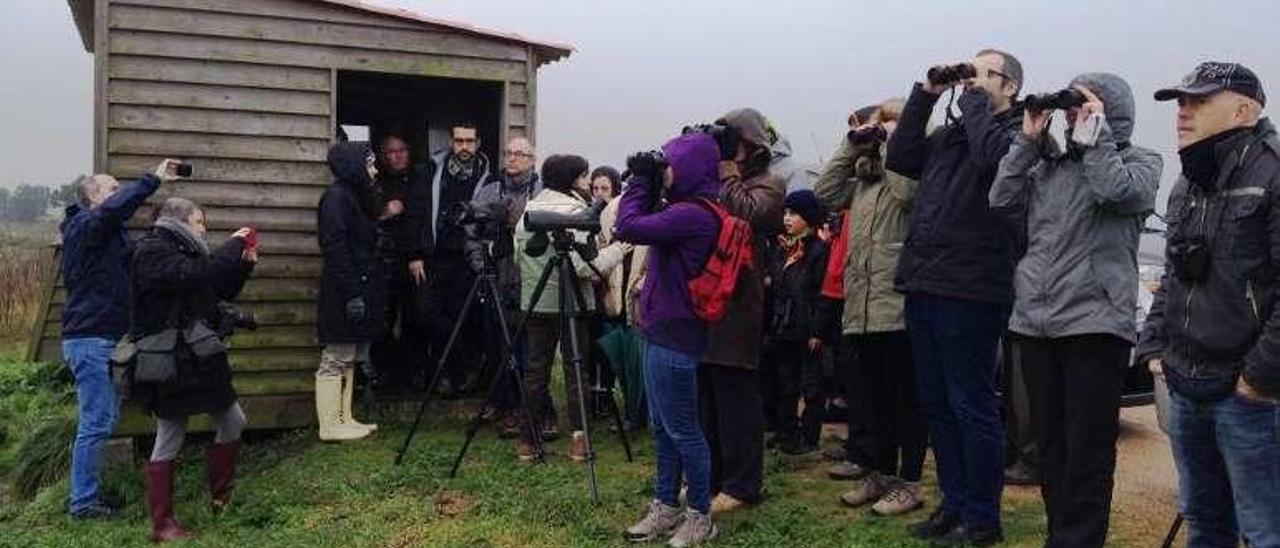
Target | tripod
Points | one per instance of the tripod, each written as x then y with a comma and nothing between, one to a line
571,301
484,290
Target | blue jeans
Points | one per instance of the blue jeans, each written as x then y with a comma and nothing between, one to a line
96,395
954,346
671,385
1228,457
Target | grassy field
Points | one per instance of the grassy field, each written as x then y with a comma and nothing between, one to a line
295,491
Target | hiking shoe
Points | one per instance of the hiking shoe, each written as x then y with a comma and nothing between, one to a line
867,489
660,521
962,535
550,430
509,426
837,454
796,447
525,451
98,510
696,529
903,497
578,451
725,503
1021,473
845,470
937,524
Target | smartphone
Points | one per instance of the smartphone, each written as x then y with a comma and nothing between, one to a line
185,170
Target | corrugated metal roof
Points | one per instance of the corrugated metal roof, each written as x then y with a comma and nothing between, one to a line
82,12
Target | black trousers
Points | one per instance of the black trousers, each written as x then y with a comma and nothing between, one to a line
797,377
402,352
734,426
1020,435
897,425
449,281
860,446
1075,384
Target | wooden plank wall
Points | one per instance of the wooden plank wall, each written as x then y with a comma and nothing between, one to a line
244,90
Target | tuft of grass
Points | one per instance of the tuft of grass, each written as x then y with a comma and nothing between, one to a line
44,457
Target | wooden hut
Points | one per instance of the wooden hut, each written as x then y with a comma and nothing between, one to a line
252,92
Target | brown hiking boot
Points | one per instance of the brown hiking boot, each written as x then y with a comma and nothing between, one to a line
550,429
903,497
578,451
525,451
867,490
725,503
509,427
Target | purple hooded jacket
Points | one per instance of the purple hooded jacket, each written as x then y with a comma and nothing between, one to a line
681,238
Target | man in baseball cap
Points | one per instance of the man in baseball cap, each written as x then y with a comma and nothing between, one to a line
1213,332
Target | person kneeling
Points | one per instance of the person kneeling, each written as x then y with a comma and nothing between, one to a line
178,287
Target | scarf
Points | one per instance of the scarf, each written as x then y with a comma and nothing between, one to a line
185,233
461,170
793,246
1200,160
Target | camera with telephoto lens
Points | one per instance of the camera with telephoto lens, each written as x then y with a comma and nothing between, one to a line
951,74
727,138
867,135
1058,100
1190,258
231,318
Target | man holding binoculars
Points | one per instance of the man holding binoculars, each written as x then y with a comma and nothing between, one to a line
956,269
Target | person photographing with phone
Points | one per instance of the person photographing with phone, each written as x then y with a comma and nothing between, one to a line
1076,287
956,270
95,269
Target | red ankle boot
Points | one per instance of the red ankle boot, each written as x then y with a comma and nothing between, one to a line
160,500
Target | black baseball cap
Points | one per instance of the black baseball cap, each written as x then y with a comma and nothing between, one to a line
1212,77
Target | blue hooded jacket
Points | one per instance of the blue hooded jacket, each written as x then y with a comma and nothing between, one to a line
95,263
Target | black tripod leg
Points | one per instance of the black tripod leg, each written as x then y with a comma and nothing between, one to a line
435,377
617,421
1173,532
569,298
510,370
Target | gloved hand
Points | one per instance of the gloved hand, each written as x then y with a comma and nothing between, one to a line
356,309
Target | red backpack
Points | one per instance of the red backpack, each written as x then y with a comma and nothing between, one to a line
711,290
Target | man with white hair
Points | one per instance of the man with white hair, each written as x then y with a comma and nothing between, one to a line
1213,331
95,259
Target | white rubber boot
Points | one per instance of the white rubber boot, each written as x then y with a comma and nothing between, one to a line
329,411
348,392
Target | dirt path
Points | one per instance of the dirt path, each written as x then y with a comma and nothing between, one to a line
1146,491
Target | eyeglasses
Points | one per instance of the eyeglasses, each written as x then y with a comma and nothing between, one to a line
465,141
993,72
517,154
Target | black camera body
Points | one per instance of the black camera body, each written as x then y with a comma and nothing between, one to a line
231,318
649,164
951,74
727,138
1190,258
1058,100
867,135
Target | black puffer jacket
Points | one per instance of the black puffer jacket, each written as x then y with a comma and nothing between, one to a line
173,279
1228,323
348,236
956,247
795,292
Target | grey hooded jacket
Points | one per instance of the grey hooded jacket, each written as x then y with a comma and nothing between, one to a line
1084,217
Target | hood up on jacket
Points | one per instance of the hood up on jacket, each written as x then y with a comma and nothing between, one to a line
694,159
1116,94
348,163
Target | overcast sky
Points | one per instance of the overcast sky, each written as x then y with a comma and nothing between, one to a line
644,69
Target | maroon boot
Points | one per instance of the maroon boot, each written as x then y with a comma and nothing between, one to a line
222,473
160,500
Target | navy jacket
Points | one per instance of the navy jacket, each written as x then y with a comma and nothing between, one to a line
956,247
348,232
95,263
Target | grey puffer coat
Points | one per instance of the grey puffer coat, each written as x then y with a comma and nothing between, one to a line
1084,217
